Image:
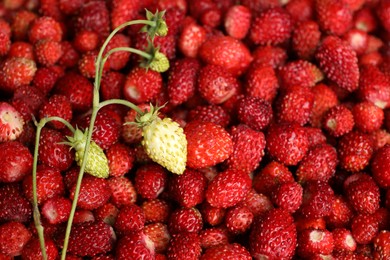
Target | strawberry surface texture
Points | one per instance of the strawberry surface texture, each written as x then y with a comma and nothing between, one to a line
195,129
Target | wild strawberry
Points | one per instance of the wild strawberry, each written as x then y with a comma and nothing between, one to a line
203,136
364,19
317,199
11,122
14,236
226,52
287,143
111,85
227,251
142,85
380,138
274,236
184,246
367,116
189,188
270,177
258,203
319,164
13,205
355,150
156,210
59,106
305,39
49,184
315,241
324,99
248,148
120,159
228,188
45,28
338,62
343,239
45,79
381,244
295,105
21,22
237,21
130,132
159,235
267,55
329,22
383,13
47,52
118,60
238,219
185,220
166,44
70,56
93,16
56,210
209,113
363,195
85,41
288,196
134,246
91,238
130,219
174,17
16,161
338,120
182,80
271,27
261,82
150,180
107,213
5,43
364,228
373,87
94,192
212,215
191,39
303,223
16,72
78,90
300,10
214,236
315,136
33,249
299,72
380,166
87,64
122,191
216,84
21,50
254,112
123,11
357,39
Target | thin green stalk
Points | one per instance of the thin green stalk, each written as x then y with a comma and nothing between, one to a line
121,102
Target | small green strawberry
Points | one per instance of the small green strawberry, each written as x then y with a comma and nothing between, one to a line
97,163
164,141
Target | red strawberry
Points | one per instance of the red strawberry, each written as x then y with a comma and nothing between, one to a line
358,40
156,210
343,239
47,52
363,194
5,43
91,238
93,16
300,10
123,11
33,250
364,228
380,166
315,241
70,56
383,12
270,177
27,100
185,220
130,219
122,191
338,120
120,159
13,205
260,5
339,62
166,44
318,164
175,16
158,234
13,236
77,89
227,251
254,112
16,161
21,22
21,50
334,17
316,136
111,85
212,215
258,203
305,38
324,99
226,52
191,39
56,210
216,84
228,188
87,64
189,188
238,219
118,60
107,213
287,143
381,245
368,117
51,8
45,28
299,72
184,246
248,148
85,41
317,199
261,82
237,21
271,27
94,192
49,184
214,236
210,113
355,150
142,85
45,79
16,72
273,236
59,106
364,19
288,196
273,56
208,144
134,246
150,180
131,133
380,138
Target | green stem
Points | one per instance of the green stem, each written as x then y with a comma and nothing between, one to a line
121,102
128,49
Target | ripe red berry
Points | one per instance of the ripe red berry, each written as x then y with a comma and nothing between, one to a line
380,166
255,112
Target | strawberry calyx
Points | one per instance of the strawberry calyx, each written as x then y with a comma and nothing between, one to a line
160,28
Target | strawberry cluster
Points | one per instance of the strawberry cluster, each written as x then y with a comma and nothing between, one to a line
273,143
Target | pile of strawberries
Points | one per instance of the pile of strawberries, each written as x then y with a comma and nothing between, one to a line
286,110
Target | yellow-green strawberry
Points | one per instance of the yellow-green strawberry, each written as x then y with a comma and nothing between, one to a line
97,163
164,141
